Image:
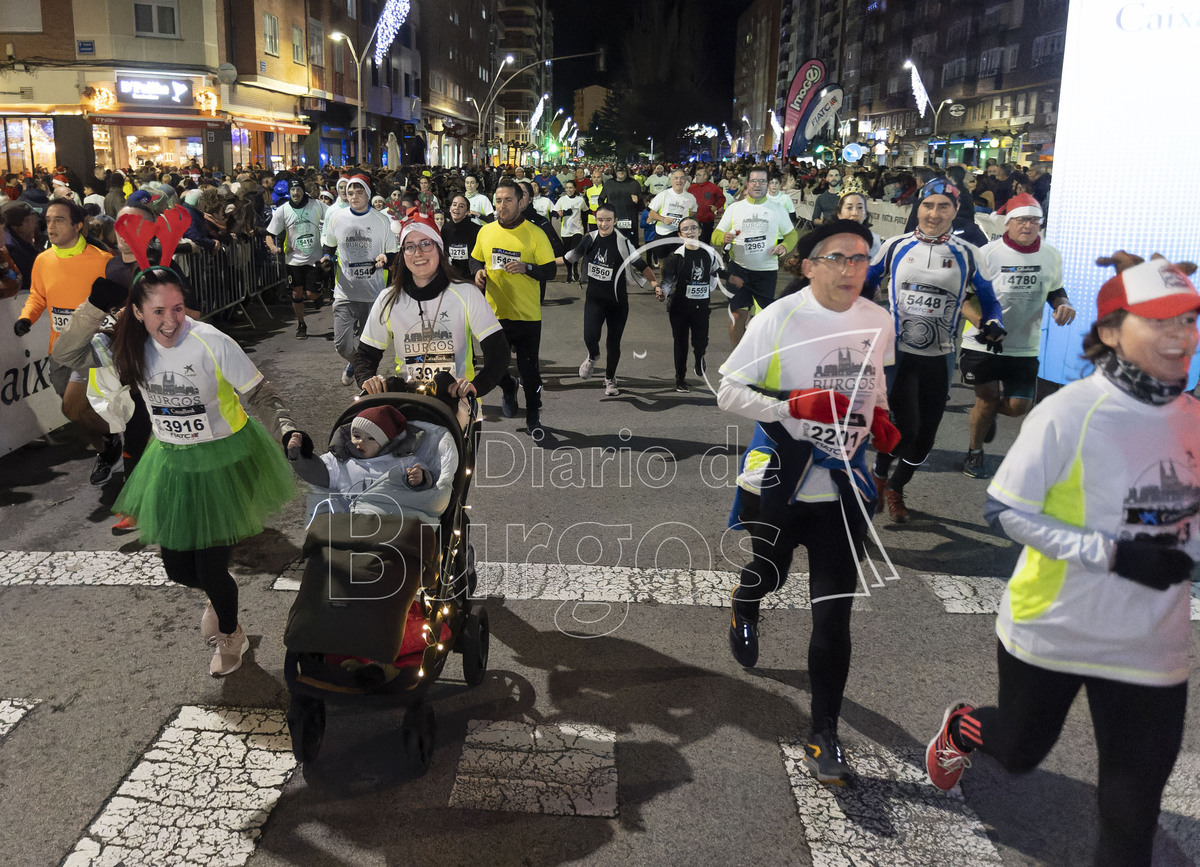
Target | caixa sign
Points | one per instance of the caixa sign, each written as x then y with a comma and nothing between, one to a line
165,92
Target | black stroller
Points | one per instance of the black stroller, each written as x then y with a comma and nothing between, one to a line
384,601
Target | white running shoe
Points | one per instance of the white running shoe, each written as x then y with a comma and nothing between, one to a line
585,369
610,388
227,657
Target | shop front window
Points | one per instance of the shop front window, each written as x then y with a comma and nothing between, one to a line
102,143
18,145
41,131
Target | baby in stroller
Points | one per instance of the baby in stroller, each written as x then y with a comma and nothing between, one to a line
381,463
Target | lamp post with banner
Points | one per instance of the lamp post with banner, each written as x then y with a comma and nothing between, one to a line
923,101
383,34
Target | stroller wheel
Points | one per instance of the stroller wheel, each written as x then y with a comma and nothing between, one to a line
306,724
420,737
474,644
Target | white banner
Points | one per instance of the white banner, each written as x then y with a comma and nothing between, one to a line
29,407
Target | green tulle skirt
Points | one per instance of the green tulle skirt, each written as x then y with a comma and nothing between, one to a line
189,497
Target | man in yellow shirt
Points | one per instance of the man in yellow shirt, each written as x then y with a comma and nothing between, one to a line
509,258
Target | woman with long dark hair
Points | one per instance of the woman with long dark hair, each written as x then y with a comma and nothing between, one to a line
432,316
1102,490
211,473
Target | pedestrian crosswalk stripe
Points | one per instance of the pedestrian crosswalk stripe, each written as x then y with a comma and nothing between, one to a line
199,795
12,711
891,816
568,769
971,594
614,584
95,568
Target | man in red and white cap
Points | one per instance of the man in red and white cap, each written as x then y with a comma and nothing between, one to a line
61,189
1027,274
364,244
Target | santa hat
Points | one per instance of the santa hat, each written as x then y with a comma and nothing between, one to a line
1021,205
1153,290
361,180
61,181
420,224
380,423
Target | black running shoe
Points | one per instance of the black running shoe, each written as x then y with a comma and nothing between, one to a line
301,331
743,634
701,367
108,461
825,760
508,400
991,432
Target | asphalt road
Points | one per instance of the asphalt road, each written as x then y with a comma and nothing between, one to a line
659,748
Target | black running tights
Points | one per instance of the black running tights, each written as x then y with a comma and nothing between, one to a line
207,569
598,313
525,340
688,316
918,400
1138,730
832,559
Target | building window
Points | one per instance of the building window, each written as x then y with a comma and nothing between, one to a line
350,10
270,34
1010,57
1049,48
959,32
156,18
408,84
297,44
989,61
339,57
955,70
316,43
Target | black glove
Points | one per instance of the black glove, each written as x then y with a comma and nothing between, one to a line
305,449
990,334
326,265
107,295
22,327
1151,563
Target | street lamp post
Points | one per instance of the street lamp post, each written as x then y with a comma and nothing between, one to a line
936,114
480,139
338,36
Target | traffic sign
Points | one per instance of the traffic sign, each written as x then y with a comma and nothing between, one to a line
957,110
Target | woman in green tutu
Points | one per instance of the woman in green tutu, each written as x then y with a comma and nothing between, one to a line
211,473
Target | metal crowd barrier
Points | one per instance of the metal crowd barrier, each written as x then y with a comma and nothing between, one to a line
228,278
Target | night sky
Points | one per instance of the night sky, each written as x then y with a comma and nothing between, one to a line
582,25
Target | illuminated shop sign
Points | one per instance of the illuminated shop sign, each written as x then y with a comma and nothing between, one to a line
165,92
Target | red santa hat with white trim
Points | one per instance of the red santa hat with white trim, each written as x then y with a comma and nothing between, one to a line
1021,205
420,224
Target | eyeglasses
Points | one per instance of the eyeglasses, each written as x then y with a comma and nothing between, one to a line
424,245
689,230
1026,221
840,262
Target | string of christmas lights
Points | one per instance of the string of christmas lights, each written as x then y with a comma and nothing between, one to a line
918,89
390,20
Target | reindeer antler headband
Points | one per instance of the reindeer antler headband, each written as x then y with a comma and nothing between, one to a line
138,232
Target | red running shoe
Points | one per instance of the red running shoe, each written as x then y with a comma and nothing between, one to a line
944,762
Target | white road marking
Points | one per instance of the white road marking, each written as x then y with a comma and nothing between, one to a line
614,584
12,711
96,568
199,795
564,770
969,594
890,816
